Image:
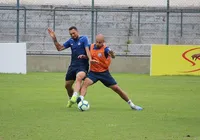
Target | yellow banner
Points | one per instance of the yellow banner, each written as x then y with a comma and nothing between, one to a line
174,60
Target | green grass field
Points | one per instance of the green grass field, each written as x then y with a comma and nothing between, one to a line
32,107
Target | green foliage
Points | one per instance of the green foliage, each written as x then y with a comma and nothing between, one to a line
128,42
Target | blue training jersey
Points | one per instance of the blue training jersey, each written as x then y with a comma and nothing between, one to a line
77,48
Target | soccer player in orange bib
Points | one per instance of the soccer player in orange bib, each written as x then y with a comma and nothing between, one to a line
99,71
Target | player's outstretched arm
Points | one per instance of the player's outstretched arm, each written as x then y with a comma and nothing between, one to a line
53,36
89,56
195,56
88,53
112,54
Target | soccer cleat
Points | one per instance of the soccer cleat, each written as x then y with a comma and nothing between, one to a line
137,107
73,99
69,104
78,100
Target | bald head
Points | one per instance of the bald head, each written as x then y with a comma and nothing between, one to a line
99,40
100,37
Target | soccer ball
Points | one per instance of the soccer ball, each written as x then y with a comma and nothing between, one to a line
83,105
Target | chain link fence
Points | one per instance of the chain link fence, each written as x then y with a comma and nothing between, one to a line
184,22
124,23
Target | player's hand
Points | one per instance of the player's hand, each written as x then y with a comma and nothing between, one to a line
93,61
112,54
82,56
195,56
51,33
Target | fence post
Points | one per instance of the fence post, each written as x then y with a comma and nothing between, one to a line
130,23
138,23
130,31
92,23
181,23
96,22
54,19
167,30
24,18
17,39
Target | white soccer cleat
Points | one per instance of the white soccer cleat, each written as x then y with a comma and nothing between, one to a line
135,107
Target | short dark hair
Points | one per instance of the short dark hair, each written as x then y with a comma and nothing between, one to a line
73,27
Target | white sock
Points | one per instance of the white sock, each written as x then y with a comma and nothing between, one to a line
75,94
130,103
82,97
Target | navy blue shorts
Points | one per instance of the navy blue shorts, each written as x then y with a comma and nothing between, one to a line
104,77
72,71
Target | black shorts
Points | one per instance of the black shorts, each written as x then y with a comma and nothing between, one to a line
72,71
104,77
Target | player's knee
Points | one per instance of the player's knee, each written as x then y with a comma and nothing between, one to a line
115,88
80,77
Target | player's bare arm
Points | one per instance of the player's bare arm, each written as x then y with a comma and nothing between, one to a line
56,43
111,53
89,56
88,53
82,56
195,56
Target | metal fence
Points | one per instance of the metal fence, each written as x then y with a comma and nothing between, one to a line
121,25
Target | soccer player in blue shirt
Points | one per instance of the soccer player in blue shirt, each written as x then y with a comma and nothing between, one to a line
78,67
